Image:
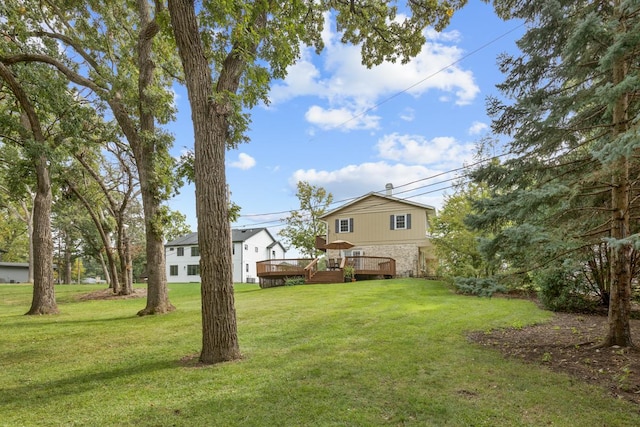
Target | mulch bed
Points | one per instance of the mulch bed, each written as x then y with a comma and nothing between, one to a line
107,294
569,344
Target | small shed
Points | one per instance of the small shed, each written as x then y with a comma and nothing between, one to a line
14,272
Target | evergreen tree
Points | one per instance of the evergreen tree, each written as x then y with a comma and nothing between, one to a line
573,128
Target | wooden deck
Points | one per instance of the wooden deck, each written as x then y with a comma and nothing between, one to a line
275,272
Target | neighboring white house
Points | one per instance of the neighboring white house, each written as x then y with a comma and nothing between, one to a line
248,247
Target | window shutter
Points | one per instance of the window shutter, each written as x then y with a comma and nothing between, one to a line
351,225
408,221
337,229
392,222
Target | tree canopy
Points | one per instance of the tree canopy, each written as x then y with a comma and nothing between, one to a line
230,52
572,123
304,225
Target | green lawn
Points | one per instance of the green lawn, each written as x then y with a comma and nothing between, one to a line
359,354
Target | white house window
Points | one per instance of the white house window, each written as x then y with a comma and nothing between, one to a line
195,251
273,254
344,225
180,251
246,247
247,268
173,270
193,270
400,222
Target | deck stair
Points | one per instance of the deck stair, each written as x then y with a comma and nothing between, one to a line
335,276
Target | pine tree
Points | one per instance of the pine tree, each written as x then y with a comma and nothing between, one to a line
573,129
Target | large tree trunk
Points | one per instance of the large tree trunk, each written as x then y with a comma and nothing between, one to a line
219,329
28,214
157,291
44,299
619,331
145,148
126,287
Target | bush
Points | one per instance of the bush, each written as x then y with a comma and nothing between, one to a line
480,286
559,290
292,281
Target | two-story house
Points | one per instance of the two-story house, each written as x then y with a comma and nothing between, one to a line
248,246
385,226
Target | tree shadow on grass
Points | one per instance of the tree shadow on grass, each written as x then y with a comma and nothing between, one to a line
41,392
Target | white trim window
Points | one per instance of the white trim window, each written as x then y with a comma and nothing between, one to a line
344,225
400,222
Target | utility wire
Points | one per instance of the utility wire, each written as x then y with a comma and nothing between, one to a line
384,101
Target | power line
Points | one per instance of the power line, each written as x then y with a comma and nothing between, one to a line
343,201
384,101
430,76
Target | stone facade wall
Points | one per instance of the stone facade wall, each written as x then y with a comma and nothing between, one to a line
406,257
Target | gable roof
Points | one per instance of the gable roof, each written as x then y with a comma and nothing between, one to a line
186,240
237,235
378,195
240,235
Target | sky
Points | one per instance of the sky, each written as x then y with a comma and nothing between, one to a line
351,130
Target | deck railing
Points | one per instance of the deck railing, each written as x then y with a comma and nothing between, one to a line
371,265
277,270
280,267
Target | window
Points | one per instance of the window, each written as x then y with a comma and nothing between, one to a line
173,270
247,268
400,222
246,247
344,225
195,251
180,251
256,249
273,254
171,249
193,270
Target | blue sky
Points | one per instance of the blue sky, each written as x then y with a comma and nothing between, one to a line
337,125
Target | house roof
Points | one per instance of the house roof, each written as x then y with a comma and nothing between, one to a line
14,264
237,235
242,234
378,195
186,240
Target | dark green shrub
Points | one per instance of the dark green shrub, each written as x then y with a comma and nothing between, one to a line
292,281
559,290
480,286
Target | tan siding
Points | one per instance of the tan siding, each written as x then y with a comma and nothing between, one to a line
372,234
371,223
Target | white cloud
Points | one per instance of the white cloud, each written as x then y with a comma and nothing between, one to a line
338,76
477,128
244,162
415,149
353,181
408,115
341,118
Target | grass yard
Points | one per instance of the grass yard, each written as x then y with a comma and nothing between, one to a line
369,353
